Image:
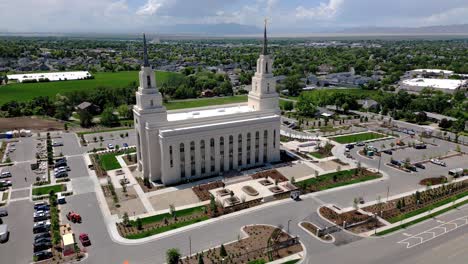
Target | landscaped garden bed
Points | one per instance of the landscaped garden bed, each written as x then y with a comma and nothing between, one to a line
47,189
345,218
265,182
336,179
223,192
357,137
433,181
161,223
263,244
323,152
250,190
313,230
203,191
273,174
275,189
421,201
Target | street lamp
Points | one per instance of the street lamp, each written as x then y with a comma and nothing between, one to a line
190,246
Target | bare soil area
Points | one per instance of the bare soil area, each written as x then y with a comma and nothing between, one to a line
31,123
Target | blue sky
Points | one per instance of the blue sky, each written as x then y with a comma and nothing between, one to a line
284,15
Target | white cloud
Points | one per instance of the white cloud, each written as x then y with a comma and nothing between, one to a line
323,11
452,16
151,7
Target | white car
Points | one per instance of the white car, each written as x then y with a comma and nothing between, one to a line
57,144
5,183
110,146
5,174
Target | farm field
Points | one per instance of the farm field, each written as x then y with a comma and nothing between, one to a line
357,137
27,91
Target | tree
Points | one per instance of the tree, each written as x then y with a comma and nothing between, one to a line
124,111
291,83
421,117
213,206
125,219
222,251
444,123
108,118
86,119
172,256
139,223
200,259
287,105
345,107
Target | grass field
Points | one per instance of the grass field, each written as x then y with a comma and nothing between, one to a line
109,161
46,189
174,105
357,137
27,91
341,175
350,91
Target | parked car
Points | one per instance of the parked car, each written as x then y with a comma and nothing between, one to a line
360,144
125,145
59,170
5,183
42,207
61,174
62,159
64,168
412,168
42,226
41,246
419,165
57,144
350,146
42,235
41,216
110,146
43,255
43,240
5,174
438,162
395,162
84,238
3,212
420,146
388,151
60,164
40,204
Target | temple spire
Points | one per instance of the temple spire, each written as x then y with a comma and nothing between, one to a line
265,41
145,52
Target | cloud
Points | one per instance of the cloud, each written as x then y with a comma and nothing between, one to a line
151,7
451,16
323,11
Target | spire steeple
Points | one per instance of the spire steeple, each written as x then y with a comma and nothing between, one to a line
145,52
265,41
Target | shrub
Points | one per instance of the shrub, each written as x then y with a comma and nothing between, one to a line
172,256
222,251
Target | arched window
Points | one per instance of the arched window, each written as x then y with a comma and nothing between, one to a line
212,154
257,146
239,150
192,158
182,160
148,81
202,155
152,103
268,87
171,161
221,154
266,67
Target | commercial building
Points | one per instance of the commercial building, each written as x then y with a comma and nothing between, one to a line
174,146
444,85
50,76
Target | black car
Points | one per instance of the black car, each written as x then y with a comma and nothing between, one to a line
412,168
41,255
40,205
60,164
42,240
61,160
41,246
350,146
43,235
388,151
419,165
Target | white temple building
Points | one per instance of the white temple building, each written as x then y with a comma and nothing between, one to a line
173,146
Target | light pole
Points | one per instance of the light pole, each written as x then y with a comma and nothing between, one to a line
190,245
289,221
380,158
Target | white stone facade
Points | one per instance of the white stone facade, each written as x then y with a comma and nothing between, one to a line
173,146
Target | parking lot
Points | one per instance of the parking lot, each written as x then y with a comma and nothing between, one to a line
22,149
113,138
19,172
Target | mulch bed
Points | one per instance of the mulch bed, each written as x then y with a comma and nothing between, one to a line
273,174
313,229
350,217
433,181
202,191
250,248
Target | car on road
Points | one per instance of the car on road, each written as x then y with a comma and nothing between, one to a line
110,146
388,151
84,238
125,145
42,255
5,174
419,165
41,246
3,212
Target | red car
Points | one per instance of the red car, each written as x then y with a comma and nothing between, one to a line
85,240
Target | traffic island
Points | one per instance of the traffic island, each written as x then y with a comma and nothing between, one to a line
263,244
316,232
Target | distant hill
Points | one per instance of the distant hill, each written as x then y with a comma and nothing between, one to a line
210,29
447,29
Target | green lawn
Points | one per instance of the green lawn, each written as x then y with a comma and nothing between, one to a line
357,137
103,130
350,91
180,213
27,91
46,189
109,161
174,105
318,155
341,175
167,228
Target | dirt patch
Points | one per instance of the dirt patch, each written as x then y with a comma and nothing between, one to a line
350,217
257,246
202,191
273,174
433,181
31,123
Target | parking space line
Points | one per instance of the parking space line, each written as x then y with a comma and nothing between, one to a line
433,234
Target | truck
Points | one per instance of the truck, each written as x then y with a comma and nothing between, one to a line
3,233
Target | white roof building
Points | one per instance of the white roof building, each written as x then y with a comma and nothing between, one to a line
434,71
446,85
181,145
51,76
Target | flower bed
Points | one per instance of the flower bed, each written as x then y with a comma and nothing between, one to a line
273,174
203,191
351,217
258,246
433,181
